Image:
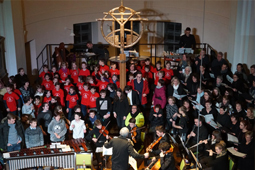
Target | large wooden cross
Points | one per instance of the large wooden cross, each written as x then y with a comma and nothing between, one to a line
122,15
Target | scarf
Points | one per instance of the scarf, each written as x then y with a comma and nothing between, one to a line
93,119
176,87
134,115
64,70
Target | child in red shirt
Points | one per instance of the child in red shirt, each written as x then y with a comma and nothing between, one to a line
102,84
147,74
113,70
93,97
67,85
130,78
71,101
63,72
80,83
47,97
148,63
11,101
85,95
53,71
168,72
47,83
45,70
157,69
59,93
74,73
84,71
160,76
103,67
115,81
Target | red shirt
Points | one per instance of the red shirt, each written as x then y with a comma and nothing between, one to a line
48,85
17,92
67,87
84,72
79,86
168,73
116,72
43,74
148,76
102,85
129,83
72,100
93,99
85,95
64,75
74,75
11,101
155,71
59,94
156,80
151,68
46,100
104,68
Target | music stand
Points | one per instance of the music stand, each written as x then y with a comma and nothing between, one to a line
195,159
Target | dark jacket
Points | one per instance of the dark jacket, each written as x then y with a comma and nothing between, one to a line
156,121
170,90
121,107
94,133
246,163
4,132
220,163
135,98
122,148
167,162
224,120
166,138
20,80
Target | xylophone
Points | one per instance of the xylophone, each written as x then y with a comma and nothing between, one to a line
46,156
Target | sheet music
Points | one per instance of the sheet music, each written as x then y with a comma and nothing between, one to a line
208,118
199,107
229,79
132,162
99,149
107,151
236,153
213,124
232,138
178,96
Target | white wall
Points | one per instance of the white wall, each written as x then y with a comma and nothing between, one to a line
45,20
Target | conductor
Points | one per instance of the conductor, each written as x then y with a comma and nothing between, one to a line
122,148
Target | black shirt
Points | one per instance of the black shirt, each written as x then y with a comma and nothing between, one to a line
187,41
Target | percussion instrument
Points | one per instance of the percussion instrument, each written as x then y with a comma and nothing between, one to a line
46,156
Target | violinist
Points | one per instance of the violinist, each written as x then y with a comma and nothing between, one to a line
165,157
97,136
135,134
161,137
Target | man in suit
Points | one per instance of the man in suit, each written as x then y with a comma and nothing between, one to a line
121,149
187,40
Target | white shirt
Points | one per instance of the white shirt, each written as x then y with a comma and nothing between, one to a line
129,97
78,129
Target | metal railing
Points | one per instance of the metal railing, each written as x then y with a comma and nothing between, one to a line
149,50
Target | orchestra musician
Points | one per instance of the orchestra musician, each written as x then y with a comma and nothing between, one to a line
97,137
135,134
192,137
166,157
122,148
161,137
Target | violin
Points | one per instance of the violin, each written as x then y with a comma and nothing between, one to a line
153,144
103,131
